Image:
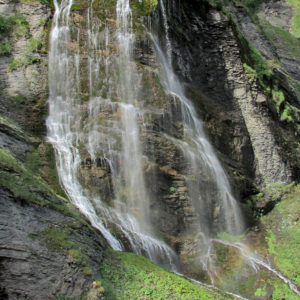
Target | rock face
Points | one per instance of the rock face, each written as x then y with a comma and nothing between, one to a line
23,78
31,269
209,39
47,249
250,113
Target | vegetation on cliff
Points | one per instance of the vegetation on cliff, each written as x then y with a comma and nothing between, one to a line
129,276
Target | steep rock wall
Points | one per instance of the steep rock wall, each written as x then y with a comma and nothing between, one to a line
260,144
47,248
254,145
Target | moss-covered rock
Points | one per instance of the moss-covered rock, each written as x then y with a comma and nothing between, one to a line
283,232
143,7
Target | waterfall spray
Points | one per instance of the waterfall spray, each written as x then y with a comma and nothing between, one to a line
78,137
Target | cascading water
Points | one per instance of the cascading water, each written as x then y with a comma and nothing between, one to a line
208,187
65,118
96,125
82,136
198,152
199,155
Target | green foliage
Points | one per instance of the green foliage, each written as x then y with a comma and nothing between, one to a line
17,26
255,65
78,257
144,7
277,97
172,189
55,239
260,292
34,45
283,232
250,73
282,291
286,114
296,17
281,38
14,64
129,276
32,160
5,48
14,25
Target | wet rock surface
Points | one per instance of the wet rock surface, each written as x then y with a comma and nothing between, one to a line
29,269
245,130
255,147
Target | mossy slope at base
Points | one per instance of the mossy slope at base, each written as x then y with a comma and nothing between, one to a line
283,234
129,276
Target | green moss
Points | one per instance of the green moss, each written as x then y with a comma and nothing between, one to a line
228,237
14,64
34,45
260,292
283,232
144,7
58,239
5,48
172,189
31,188
281,38
296,17
78,257
129,276
55,239
32,160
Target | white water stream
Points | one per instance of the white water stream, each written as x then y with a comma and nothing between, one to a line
74,126
105,129
199,152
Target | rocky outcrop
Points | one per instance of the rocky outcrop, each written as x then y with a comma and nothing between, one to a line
23,64
47,248
209,39
35,262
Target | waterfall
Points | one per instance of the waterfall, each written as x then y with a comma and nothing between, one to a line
208,187
97,122
200,155
64,119
94,129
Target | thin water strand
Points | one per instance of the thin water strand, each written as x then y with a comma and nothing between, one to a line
256,262
74,128
63,114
